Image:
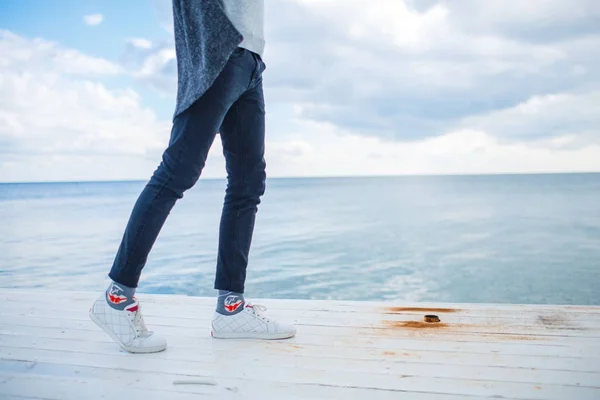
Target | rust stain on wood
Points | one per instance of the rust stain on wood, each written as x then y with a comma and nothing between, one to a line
389,353
395,310
414,325
420,327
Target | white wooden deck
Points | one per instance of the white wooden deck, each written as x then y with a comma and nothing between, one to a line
344,350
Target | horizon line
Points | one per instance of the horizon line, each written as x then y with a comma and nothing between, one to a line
322,177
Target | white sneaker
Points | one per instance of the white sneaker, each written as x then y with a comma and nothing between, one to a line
126,327
250,323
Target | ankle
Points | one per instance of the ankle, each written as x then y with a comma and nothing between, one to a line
230,303
119,296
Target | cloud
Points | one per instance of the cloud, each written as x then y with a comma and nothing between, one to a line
19,54
93,19
52,111
152,64
397,72
388,87
544,116
141,43
547,21
327,151
409,70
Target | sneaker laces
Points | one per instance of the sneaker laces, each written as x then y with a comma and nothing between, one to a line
138,322
258,310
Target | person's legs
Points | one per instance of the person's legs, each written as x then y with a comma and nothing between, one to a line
117,312
191,138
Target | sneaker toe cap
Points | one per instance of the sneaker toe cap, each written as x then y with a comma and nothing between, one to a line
286,328
151,342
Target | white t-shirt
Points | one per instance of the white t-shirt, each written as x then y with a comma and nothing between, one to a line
248,17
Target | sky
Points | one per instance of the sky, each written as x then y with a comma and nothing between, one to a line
352,88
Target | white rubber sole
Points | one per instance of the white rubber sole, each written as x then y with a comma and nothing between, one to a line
131,349
251,335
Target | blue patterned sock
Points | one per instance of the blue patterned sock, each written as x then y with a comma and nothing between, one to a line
230,303
119,296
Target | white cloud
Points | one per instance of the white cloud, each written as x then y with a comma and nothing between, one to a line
141,43
19,54
353,87
327,151
151,70
55,117
543,21
93,19
552,115
153,64
414,69
411,72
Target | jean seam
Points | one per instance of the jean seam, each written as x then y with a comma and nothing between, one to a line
239,172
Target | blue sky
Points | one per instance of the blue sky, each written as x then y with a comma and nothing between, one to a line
63,22
353,87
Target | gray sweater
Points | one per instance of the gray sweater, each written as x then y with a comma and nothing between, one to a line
205,37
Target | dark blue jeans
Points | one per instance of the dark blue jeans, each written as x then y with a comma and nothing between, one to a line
234,107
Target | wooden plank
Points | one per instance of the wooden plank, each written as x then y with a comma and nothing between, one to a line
556,321
51,387
224,368
391,327
323,350
349,336
545,325
390,363
117,376
304,338
59,388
